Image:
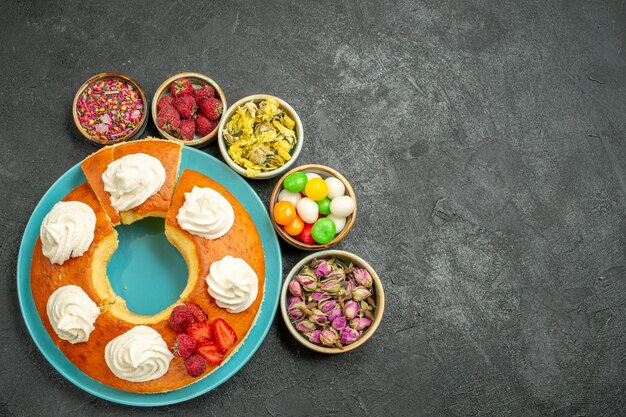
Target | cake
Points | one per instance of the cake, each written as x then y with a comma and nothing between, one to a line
90,323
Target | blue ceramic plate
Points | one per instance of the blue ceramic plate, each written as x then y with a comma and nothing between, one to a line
141,253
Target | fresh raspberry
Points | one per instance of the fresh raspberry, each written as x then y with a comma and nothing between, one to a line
211,108
165,101
181,87
184,345
196,365
204,126
201,331
196,310
180,319
168,118
223,334
204,92
211,352
187,128
186,106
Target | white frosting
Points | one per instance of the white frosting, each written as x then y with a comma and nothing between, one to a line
67,231
138,355
206,213
233,284
72,313
133,179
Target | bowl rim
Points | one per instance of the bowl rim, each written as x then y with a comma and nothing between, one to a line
163,88
378,311
140,126
222,144
349,220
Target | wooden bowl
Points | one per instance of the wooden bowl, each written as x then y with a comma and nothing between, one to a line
378,293
196,79
135,133
324,172
295,151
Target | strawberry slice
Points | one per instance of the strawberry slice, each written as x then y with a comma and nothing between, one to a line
200,331
223,334
196,310
211,352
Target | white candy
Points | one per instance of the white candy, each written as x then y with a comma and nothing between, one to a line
335,187
286,195
340,222
311,175
307,210
342,206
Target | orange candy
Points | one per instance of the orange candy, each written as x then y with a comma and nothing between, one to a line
295,227
284,213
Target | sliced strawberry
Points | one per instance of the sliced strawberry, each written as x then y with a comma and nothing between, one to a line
211,352
196,310
223,334
200,331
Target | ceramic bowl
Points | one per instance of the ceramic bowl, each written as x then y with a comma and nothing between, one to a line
197,80
295,151
324,172
133,134
379,296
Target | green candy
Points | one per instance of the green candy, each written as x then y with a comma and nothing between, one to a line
295,182
324,206
323,230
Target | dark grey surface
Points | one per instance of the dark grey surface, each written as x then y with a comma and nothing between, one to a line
485,141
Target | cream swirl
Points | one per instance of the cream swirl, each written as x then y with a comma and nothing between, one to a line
67,231
206,213
72,313
138,355
232,283
133,179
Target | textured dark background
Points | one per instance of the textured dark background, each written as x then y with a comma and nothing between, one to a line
486,143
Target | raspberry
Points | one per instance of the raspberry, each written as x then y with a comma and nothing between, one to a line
187,128
196,310
204,92
211,108
181,87
168,118
165,101
186,106
204,126
184,345
196,365
180,318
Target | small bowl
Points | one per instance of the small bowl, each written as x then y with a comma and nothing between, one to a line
324,172
196,79
294,152
378,311
135,133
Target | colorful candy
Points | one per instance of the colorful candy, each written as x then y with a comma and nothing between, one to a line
295,182
342,206
305,235
109,108
316,189
284,212
335,187
324,206
307,210
295,227
323,231
293,198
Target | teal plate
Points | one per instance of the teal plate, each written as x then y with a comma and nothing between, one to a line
144,251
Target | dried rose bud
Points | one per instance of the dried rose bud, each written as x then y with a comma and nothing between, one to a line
351,309
363,278
348,336
340,322
331,287
305,326
328,337
292,300
337,274
334,314
308,283
365,306
360,294
323,269
314,337
320,296
318,317
295,288
348,288
308,272
327,306
295,313
360,323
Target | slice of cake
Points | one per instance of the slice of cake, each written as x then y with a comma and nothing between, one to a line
135,179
